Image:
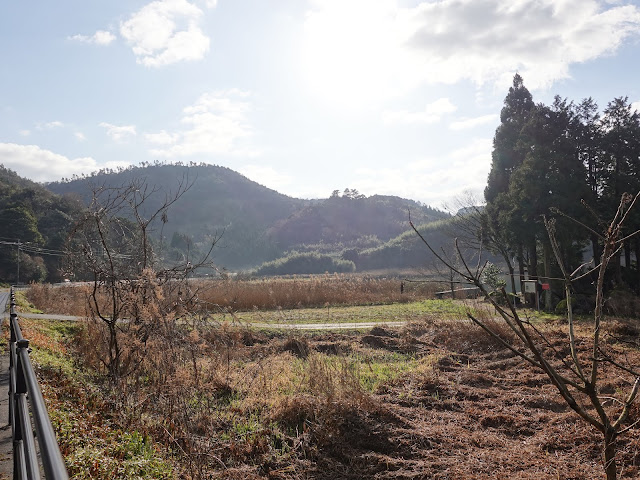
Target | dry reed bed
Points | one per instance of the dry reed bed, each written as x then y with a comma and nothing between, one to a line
262,294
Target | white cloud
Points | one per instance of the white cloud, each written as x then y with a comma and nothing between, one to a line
267,176
488,40
373,51
215,124
50,125
119,133
465,123
101,37
42,165
432,180
80,136
635,106
25,132
432,113
161,138
165,32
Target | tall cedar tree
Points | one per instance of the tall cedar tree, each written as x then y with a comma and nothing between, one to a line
505,159
550,177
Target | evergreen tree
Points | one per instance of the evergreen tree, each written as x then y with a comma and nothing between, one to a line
505,157
19,222
551,176
620,132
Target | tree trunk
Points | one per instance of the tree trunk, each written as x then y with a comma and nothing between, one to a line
533,258
597,251
114,352
521,264
547,273
627,256
512,278
637,251
609,454
453,290
533,269
617,268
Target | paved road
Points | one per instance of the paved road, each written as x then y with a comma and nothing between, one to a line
326,326
6,445
261,325
49,316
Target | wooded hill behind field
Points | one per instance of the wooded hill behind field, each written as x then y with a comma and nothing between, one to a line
255,224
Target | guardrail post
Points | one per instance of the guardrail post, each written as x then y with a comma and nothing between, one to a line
12,364
23,419
26,405
21,384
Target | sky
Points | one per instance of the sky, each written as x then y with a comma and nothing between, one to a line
393,97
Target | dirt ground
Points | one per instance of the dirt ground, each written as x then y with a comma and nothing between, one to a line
465,407
480,412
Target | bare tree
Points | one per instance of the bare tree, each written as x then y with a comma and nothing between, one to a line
577,375
130,293
478,231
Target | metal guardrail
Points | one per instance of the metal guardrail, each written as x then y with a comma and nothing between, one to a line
26,404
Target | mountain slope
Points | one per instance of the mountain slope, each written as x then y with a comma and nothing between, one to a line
218,202
257,224
39,221
346,219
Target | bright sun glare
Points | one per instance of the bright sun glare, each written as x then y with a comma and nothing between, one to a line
351,51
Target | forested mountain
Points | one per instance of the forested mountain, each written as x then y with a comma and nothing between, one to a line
218,202
34,223
256,224
346,219
546,159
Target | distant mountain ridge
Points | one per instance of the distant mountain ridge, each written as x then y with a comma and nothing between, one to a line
258,224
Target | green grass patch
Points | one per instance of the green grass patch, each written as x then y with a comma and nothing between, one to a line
93,447
121,455
395,312
24,305
374,372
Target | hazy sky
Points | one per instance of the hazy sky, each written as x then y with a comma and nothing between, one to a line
395,97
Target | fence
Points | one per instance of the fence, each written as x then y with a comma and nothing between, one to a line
26,404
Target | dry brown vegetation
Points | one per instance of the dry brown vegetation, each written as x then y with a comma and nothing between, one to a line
272,293
433,400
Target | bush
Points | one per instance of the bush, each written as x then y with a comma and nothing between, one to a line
561,307
622,302
580,305
306,263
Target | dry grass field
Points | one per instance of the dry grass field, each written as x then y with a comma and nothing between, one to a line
232,295
436,399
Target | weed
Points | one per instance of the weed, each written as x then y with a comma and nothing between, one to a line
438,399
24,304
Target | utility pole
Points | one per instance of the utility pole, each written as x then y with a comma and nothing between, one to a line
18,279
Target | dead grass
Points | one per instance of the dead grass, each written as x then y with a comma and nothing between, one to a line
437,400
263,294
313,291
